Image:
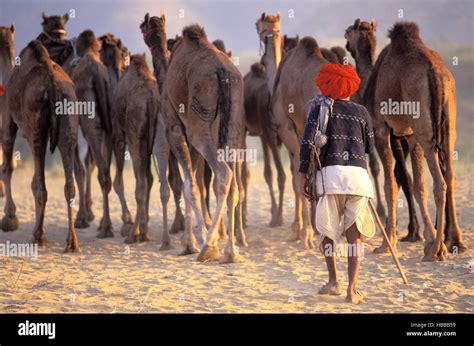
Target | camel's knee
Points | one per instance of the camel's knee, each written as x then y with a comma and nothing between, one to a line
69,189
439,191
164,192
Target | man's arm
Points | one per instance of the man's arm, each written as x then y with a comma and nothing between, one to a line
308,139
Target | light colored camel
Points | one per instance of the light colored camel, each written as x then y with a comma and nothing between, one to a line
203,98
408,71
91,79
134,113
34,92
361,43
294,88
7,52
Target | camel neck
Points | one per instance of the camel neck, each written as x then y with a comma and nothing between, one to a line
272,58
6,65
364,64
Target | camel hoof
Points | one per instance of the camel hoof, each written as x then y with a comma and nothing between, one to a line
229,258
429,258
9,224
382,249
456,247
307,245
165,246
242,242
41,241
72,249
276,222
131,239
209,253
188,250
144,237
90,216
178,225
81,223
125,230
411,237
105,233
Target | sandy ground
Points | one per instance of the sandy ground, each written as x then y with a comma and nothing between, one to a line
275,276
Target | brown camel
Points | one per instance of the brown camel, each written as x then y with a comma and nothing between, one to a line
294,88
93,89
7,52
219,44
329,56
408,71
340,54
53,37
258,113
35,92
203,97
135,110
361,42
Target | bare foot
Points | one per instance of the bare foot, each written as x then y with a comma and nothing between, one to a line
354,297
331,288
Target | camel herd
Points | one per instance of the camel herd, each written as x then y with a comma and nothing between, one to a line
195,102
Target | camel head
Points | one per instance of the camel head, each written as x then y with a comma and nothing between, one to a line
361,37
7,50
219,44
113,53
154,30
55,26
290,42
87,41
172,41
138,63
268,25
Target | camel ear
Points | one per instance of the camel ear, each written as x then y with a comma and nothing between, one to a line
357,23
147,17
44,15
278,15
163,17
374,24
263,16
66,18
229,54
12,28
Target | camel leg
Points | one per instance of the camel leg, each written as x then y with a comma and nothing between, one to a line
145,218
139,170
421,194
375,170
246,182
230,253
67,157
38,186
222,225
382,143
223,175
176,183
453,239
90,165
436,250
79,172
105,185
198,168
9,220
119,153
2,186
404,180
281,177
161,150
240,195
268,174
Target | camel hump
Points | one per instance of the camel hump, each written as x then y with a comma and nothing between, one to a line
258,69
310,46
40,53
194,32
404,35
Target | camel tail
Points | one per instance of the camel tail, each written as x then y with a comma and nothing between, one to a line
438,116
225,104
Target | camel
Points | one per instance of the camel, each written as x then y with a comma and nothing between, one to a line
91,79
219,44
42,85
361,43
340,54
408,71
258,88
329,56
203,98
135,110
6,66
294,88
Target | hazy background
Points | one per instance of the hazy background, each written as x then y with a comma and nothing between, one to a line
446,26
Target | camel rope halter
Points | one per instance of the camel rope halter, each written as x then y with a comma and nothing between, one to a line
269,33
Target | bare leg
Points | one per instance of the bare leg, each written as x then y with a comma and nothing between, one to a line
332,286
353,264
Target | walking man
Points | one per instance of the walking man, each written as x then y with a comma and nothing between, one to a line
341,132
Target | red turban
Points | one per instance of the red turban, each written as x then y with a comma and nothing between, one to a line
2,90
338,81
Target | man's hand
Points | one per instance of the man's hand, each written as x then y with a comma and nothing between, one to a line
304,185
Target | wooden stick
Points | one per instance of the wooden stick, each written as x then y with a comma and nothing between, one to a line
392,251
